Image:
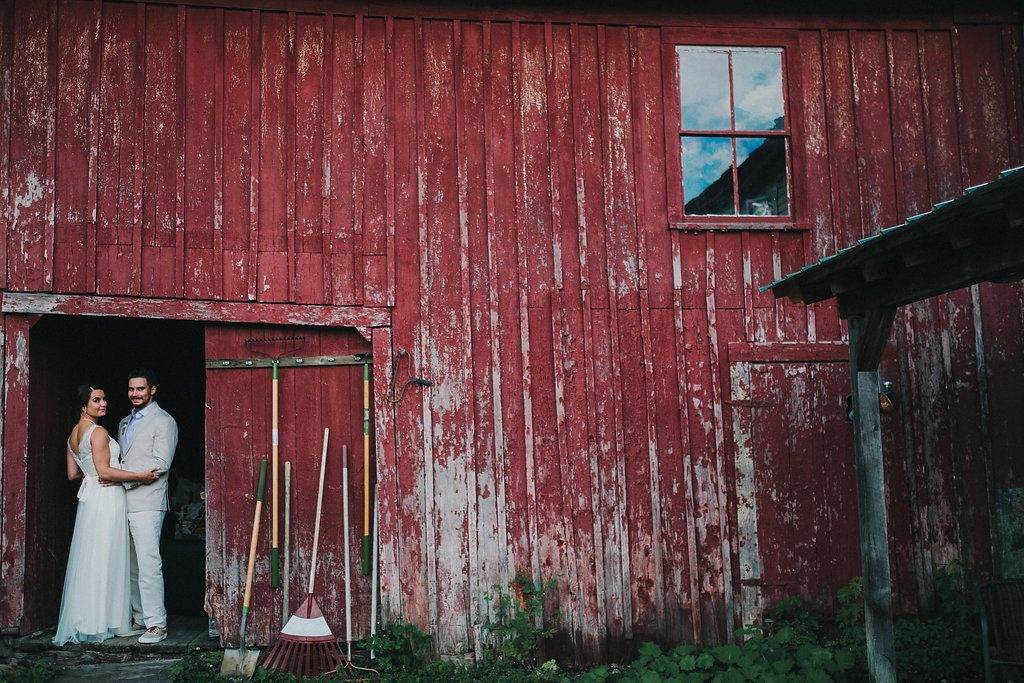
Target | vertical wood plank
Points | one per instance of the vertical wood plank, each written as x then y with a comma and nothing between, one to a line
34,83
162,88
76,64
180,103
287,125
495,110
422,331
311,175
481,520
536,217
272,170
238,270
6,116
842,140
654,275
586,162
256,142
386,477
15,440
619,239
822,319
342,150
575,587
201,52
873,130
408,424
119,150
374,144
218,160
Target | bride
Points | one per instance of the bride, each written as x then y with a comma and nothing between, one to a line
96,600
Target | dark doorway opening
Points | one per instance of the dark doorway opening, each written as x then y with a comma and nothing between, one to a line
65,351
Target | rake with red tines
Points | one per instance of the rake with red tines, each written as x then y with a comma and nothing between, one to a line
306,647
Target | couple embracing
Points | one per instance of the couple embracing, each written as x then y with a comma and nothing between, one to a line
114,584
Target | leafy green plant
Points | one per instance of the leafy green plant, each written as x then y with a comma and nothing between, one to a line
782,655
400,646
201,667
517,629
942,642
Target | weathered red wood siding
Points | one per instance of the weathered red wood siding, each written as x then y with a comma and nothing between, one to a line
500,180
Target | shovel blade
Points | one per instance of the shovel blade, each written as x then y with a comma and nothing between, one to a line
240,663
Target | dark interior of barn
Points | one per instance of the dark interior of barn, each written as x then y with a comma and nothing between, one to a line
70,350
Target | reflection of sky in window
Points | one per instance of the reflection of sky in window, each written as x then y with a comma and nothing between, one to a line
757,81
705,160
704,88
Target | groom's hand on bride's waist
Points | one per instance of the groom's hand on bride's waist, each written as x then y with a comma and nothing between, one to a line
108,482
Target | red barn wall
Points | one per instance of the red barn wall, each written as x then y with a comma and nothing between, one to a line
499,180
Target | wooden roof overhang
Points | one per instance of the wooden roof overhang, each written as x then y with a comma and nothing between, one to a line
977,237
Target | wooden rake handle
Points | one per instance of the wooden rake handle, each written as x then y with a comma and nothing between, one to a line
255,536
319,505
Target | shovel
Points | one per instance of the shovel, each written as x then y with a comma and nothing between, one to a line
242,661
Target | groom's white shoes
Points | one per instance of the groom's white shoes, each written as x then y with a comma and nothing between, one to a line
153,634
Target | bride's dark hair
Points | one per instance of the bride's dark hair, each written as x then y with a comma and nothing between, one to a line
84,392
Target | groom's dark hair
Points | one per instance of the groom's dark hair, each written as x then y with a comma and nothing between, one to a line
146,373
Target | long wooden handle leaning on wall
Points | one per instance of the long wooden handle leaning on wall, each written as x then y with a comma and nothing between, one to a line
366,469
319,504
287,526
275,549
252,548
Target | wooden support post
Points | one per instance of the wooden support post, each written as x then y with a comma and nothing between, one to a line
868,335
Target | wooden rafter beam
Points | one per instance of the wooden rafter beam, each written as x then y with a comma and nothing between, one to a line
959,268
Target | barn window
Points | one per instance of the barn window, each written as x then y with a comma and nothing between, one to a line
734,134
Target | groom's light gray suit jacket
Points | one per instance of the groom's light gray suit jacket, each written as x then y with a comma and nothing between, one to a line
151,448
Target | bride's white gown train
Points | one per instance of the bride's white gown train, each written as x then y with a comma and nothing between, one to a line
96,603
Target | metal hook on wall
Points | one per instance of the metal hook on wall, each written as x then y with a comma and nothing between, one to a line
413,379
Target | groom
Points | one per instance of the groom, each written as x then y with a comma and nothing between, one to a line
148,437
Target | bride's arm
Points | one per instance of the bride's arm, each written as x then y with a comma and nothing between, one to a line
101,458
73,471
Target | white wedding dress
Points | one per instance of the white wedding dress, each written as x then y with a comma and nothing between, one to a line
96,600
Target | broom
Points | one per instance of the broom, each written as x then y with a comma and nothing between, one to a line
306,647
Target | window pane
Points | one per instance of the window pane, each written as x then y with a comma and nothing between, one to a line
704,88
764,190
707,176
757,79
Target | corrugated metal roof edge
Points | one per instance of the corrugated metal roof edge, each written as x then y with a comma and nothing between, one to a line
940,207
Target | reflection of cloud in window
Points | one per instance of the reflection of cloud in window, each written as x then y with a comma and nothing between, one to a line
706,159
757,77
707,175
704,89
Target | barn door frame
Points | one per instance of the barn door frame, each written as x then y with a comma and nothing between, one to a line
19,311
734,369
